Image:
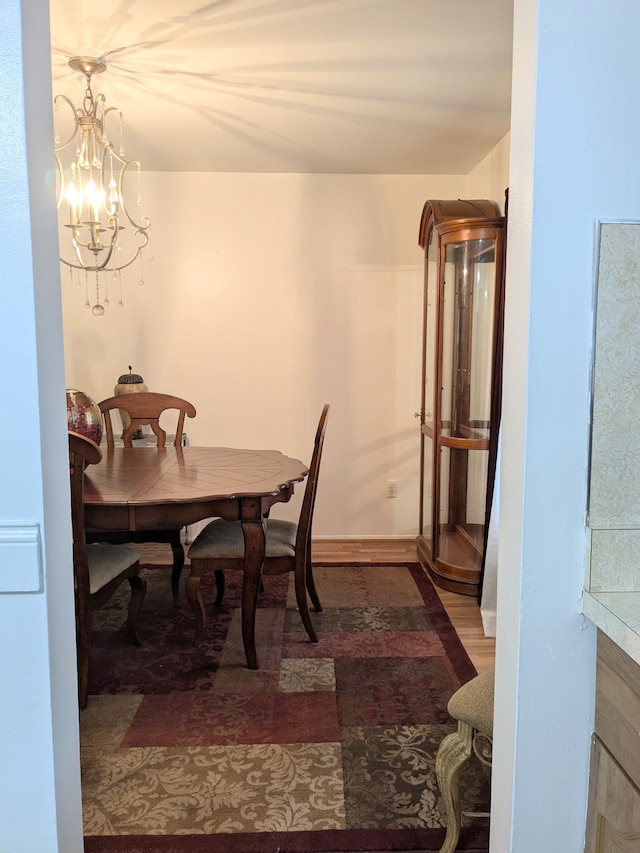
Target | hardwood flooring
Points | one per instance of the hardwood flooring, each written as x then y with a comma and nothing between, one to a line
465,618
463,610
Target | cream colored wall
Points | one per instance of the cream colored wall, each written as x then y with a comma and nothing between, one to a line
268,296
490,178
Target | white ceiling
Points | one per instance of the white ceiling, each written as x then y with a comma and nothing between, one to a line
345,86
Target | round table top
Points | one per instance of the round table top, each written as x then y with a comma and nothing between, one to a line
148,475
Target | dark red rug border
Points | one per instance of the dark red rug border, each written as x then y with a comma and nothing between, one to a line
472,840
465,670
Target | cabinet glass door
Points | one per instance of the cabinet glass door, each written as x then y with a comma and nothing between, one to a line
468,299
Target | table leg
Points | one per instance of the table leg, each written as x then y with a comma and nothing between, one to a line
254,544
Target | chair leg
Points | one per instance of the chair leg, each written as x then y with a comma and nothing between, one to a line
313,593
138,591
176,571
303,606
219,576
453,753
194,597
83,643
311,586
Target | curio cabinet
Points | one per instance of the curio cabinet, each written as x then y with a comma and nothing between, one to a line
464,244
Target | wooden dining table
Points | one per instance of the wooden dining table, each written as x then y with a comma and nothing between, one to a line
148,488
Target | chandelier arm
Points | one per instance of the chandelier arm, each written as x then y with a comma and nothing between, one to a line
98,101
77,242
104,265
110,150
137,251
61,180
76,121
139,225
80,265
106,112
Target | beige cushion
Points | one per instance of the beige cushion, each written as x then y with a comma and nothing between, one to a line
473,702
224,540
107,561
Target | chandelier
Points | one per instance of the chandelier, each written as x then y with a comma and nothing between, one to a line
98,234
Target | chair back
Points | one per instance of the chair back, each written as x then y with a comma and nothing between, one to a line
145,409
303,537
82,452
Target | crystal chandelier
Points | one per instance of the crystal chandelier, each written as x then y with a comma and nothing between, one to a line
98,234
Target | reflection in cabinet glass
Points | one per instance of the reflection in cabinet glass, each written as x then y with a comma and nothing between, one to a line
462,340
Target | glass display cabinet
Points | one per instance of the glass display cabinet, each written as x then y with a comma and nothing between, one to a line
462,356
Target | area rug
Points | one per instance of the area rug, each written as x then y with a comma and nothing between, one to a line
326,747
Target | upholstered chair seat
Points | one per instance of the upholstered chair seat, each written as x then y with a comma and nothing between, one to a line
106,562
224,539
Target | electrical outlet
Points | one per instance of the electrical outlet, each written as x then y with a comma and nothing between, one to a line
392,488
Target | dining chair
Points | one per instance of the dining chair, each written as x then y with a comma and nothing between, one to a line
145,409
220,547
98,569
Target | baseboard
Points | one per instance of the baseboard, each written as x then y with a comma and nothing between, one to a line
365,538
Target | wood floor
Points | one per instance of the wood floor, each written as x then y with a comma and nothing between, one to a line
462,609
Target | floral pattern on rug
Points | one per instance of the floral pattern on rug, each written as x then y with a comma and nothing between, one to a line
366,644
390,780
362,587
375,691
192,719
364,619
301,675
253,788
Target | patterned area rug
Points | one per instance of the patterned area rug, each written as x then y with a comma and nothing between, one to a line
327,747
